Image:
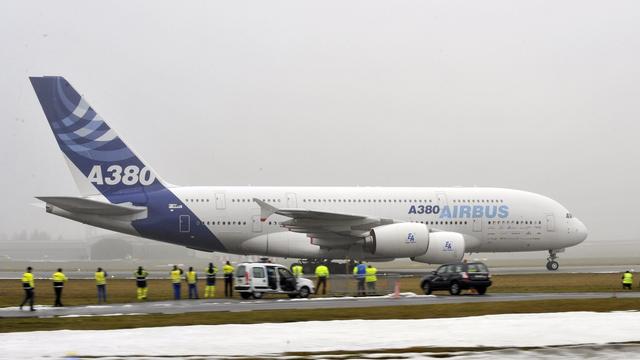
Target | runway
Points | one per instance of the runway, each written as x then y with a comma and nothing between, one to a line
232,305
497,270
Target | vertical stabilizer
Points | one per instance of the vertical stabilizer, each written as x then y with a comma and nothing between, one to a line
100,162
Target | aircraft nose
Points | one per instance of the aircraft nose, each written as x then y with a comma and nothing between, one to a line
581,231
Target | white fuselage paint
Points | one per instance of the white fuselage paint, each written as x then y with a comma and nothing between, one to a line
533,223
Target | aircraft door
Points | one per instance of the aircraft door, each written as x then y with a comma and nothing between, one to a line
185,224
291,200
256,224
441,199
477,224
550,222
220,202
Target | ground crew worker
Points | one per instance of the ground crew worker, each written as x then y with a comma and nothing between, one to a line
141,283
176,279
28,284
297,270
627,280
101,285
59,278
322,273
360,271
227,270
192,282
371,278
210,288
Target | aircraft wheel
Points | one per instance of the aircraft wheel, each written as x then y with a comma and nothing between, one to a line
552,265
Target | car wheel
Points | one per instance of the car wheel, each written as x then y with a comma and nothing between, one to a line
257,295
245,295
481,290
454,288
426,287
304,292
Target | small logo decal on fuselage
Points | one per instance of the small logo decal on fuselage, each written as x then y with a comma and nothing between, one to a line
175,206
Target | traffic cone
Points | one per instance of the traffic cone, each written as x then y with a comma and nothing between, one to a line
396,290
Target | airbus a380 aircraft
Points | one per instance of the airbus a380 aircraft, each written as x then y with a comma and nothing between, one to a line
121,192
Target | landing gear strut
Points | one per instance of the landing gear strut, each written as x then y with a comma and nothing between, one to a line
552,264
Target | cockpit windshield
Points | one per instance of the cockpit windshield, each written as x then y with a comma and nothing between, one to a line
569,216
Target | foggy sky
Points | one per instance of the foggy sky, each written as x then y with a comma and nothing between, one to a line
534,95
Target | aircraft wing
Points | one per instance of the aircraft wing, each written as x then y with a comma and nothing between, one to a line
87,206
324,228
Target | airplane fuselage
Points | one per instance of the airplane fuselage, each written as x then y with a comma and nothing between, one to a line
491,219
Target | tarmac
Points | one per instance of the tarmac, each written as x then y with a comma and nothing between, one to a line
233,305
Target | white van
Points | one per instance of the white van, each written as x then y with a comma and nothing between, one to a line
257,279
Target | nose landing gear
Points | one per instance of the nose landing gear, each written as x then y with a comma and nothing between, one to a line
552,264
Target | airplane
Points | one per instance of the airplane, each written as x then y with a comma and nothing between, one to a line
121,192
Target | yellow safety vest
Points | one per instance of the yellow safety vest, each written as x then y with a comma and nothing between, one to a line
627,278
322,271
176,276
141,276
101,277
27,280
371,275
58,277
297,270
192,278
227,269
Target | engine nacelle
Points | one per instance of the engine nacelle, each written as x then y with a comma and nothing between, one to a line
444,247
398,240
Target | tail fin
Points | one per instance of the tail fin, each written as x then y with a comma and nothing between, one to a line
99,160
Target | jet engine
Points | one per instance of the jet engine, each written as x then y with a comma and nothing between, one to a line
398,240
444,247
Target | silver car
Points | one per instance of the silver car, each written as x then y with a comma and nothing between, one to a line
258,278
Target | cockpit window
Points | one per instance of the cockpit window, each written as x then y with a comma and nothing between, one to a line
569,216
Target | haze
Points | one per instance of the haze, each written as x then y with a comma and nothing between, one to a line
533,95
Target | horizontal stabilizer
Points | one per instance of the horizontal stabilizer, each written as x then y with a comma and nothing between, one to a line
87,206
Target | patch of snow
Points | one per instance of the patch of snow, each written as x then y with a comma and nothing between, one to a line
92,315
505,330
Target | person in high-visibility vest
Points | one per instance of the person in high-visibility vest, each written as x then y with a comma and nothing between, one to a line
101,285
360,271
322,273
210,288
59,278
627,280
29,286
192,282
227,270
371,278
297,270
176,279
141,283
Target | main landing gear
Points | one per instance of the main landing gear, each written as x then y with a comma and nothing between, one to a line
552,264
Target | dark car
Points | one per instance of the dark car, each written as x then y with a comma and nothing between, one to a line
456,277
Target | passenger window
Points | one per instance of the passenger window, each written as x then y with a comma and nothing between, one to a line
442,269
258,272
